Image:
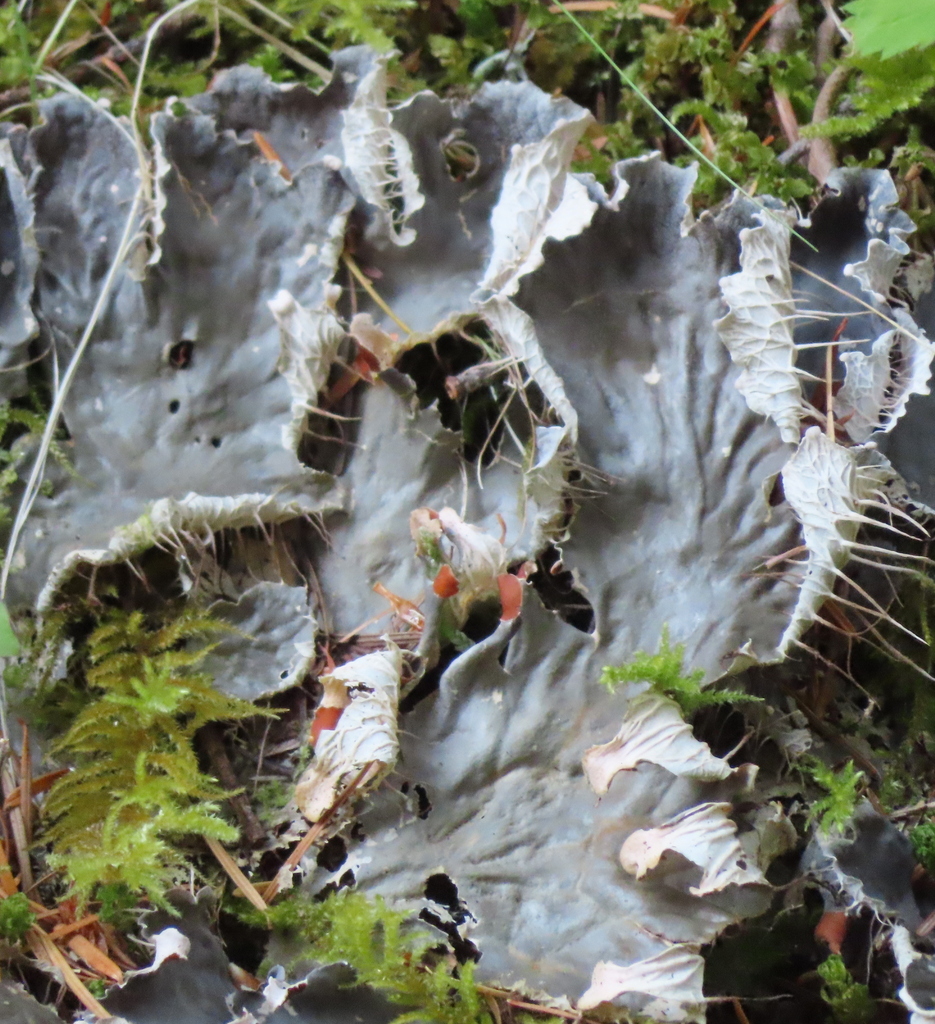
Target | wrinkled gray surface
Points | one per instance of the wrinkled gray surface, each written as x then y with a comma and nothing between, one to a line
19,258
17,1007
261,658
532,850
422,289
195,990
681,521
226,210
402,463
672,516
872,864
328,996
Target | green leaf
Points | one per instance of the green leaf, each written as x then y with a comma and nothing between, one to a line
890,27
9,645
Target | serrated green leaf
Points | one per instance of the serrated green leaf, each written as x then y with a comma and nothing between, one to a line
890,27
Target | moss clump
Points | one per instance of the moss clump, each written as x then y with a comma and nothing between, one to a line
16,917
922,838
136,787
665,674
849,1001
387,950
834,810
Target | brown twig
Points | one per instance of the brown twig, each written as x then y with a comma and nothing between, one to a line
213,744
822,158
908,812
783,29
474,378
551,1011
9,783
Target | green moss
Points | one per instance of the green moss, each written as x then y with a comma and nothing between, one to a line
664,672
136,788
850,1002
15,917
922,838
832,812
387,950
117,904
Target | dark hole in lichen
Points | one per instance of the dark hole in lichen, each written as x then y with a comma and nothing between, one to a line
723,727
215,442
768,957
462,160
332,855
464,949
459,373
344,882
175,405
181,355
428,684
243,943
440,889
555,586
777,495
331,429
425,805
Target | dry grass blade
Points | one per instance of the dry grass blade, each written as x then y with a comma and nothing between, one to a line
45,949
757,28
94,958
60,931
236,875
290,51
364,282
494,1008
739,1012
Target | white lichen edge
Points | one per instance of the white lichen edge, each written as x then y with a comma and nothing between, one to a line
877,386
539,199
826,486
308,345
653,732
704,835
758,329
672,980
380,160
906,955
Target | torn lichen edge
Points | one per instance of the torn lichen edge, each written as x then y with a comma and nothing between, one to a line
172,521
379,158
829,486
